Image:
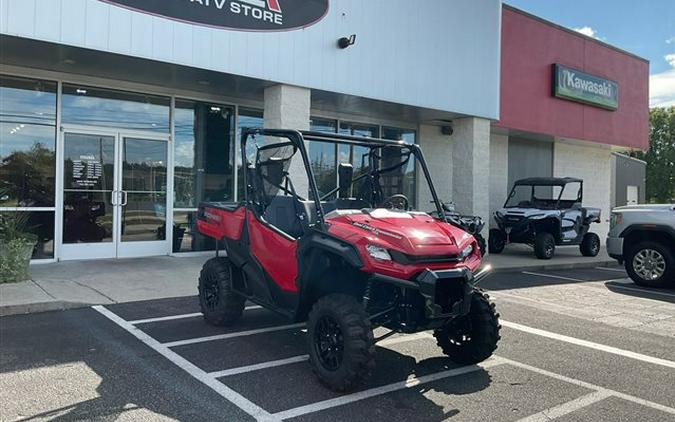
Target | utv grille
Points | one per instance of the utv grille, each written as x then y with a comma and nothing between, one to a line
406,259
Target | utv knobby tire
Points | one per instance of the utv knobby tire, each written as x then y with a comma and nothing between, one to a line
472,338
544,245
496,242
355,339
668,255
219,304
590,245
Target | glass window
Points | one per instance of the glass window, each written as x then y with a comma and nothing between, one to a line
357,156
402,179
27,165
323,156
41,224
27,101
203,155
247,118
186,237
104,107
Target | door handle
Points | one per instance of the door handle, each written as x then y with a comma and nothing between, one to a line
126,197
113,197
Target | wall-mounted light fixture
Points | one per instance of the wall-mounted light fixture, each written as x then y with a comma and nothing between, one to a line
345,42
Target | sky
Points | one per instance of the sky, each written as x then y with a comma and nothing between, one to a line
642,27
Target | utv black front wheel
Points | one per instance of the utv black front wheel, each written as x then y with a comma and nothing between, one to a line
341,345
497,241
590,245
219,304
544,245
474,337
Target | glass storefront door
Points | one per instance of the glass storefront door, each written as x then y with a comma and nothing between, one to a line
114,195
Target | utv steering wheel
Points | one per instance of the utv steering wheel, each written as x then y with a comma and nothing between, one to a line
397,202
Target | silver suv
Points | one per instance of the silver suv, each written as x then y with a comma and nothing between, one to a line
643,238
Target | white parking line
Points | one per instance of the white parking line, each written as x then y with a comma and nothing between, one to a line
555,276
590,386
566,408
181,316
362,395
590,344
611,269
237,399
233,335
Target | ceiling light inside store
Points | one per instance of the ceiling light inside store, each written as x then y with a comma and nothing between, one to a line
81,91
215,109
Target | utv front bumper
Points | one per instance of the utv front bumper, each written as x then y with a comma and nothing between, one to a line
446,293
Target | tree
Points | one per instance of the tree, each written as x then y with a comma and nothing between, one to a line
660,157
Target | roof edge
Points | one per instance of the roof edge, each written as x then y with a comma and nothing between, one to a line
573,32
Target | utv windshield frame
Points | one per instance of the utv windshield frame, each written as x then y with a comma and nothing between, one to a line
545,182
297,140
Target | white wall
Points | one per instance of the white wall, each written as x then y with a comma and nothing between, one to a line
437,149
593,165
437,54
499,173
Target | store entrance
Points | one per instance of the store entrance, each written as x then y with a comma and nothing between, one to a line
114,198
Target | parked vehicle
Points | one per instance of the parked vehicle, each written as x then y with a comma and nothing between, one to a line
544,212
346,262
642,237
469,223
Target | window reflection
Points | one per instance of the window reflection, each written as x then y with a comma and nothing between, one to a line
247,118
402,179
27,101
41,224
186,237
357,156
203,154
27,142
322,156
103,107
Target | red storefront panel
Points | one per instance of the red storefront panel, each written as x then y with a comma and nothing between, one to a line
531,46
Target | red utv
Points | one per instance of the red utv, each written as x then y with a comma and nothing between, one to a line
345,261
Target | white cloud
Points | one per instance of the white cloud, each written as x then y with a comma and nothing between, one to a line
588,31
662,89
670,40
670,58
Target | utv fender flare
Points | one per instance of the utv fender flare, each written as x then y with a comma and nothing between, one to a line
331,245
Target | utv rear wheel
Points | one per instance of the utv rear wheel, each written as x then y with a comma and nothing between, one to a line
651,264
590,245
474,337
219,304
341,345
497,241
544,245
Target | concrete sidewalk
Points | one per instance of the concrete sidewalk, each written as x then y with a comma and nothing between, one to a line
73,284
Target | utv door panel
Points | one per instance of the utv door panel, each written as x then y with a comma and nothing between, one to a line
275,253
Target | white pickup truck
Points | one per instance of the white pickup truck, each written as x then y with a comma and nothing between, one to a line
643,238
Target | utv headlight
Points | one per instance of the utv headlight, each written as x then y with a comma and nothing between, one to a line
378,253
466,252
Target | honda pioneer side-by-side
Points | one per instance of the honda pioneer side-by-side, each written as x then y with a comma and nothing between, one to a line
544,212
346,261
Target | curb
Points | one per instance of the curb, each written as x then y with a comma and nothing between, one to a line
39,307
549,267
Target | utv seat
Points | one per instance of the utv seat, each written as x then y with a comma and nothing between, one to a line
284,212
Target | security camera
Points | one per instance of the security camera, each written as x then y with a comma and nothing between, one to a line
345,42
447,130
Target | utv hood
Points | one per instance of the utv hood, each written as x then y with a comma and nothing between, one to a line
413,233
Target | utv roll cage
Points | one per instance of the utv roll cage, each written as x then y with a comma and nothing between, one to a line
297,139
546,182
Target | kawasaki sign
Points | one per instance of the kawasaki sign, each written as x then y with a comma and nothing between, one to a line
582,87
245,15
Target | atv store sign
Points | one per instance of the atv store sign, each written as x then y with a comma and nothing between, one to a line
571,84
245,15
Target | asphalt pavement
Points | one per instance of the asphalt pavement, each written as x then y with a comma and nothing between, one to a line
577,345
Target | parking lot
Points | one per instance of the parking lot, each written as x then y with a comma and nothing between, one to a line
582,344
